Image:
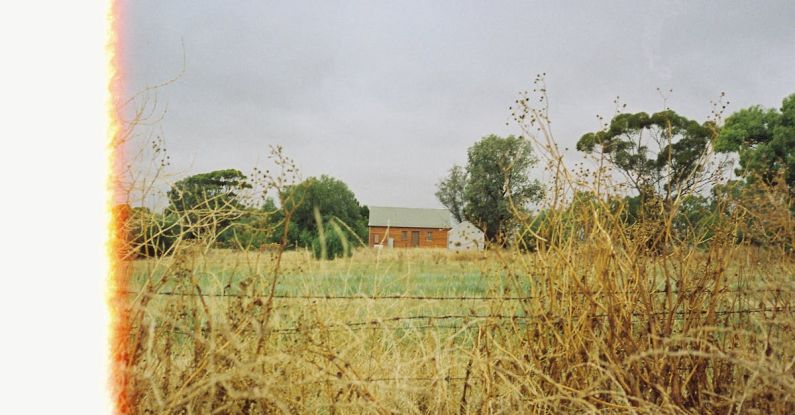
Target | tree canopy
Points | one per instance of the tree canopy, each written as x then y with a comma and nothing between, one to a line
207,203
498,182
213,190
333,199
764,140
451,191
661,154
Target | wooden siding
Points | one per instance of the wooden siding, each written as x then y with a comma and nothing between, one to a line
438,237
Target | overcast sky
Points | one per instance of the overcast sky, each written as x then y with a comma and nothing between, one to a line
386,96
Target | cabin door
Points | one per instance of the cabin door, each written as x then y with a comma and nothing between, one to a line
415,238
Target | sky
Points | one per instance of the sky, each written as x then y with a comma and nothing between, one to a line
388,95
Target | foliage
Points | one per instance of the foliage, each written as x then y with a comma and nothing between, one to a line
149,234
696,219
499,185
661,155
214,190
451,191
254,228
334,242
764,140
557,227
762,213
333,199
207,203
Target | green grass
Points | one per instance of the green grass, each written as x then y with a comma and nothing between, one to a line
401,273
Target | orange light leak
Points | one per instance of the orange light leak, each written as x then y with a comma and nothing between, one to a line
119,385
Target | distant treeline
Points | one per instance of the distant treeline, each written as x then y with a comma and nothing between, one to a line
674,192
674,185
211,208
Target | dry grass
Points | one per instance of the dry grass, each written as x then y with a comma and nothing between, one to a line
588,327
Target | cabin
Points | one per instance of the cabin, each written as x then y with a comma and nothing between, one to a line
465,236
397,227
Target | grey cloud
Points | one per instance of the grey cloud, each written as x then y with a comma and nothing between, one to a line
388,95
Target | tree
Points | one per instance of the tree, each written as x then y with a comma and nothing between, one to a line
451,191
333,199
696,219
499,183
254,228
207,202
335,242
765,142
211,190
661,155
664,157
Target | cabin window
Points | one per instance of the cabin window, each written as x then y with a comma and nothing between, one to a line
430,236
376,238
404,235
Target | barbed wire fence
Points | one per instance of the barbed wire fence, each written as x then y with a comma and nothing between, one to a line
777,306
455,298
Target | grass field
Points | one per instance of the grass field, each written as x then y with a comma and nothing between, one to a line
431,272
418,331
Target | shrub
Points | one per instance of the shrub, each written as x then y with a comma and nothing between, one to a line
333,241
151,235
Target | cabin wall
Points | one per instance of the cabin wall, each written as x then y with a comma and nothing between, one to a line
438,237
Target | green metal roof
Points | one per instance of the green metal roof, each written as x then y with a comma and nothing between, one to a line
399,217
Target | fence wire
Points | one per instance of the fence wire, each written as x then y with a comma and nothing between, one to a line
454,298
